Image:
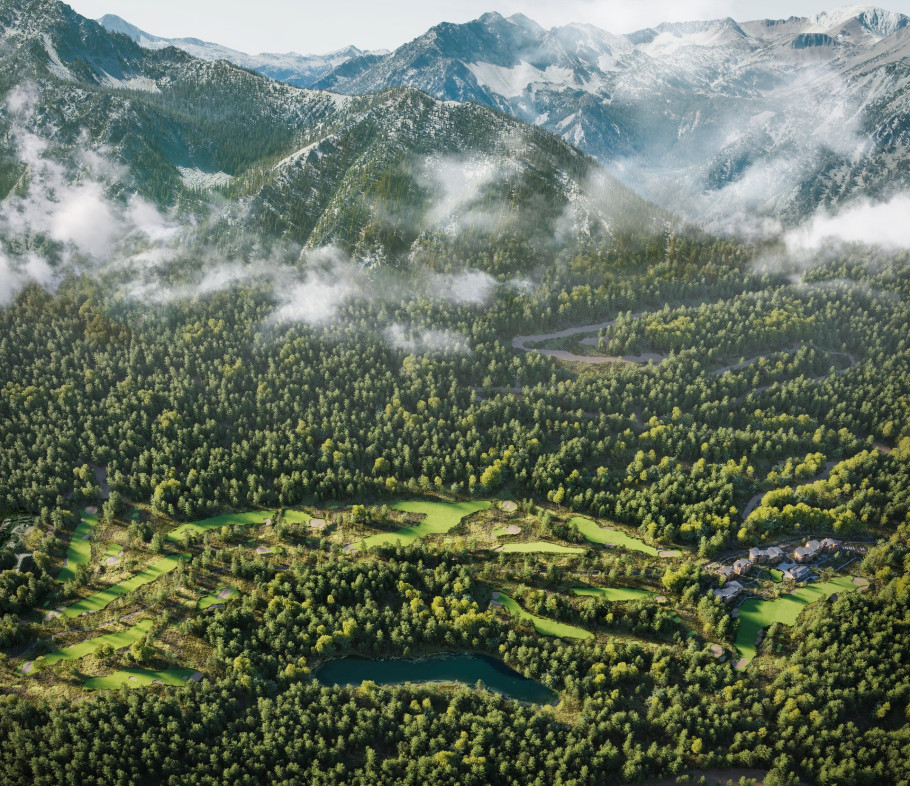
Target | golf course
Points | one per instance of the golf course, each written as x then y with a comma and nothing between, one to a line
440,517
79,551
543,625
605,535
755,613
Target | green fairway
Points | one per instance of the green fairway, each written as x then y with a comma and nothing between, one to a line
178,534
440,518
540,547
597,534
211,599
543,625
612,593
116,640
138,678
296,517
777,576
80,548
102,598
755,613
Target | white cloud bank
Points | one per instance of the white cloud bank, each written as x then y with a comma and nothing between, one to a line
883,224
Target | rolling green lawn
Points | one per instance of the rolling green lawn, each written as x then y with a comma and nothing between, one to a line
540,547
211,599
597,534
613,593
116,640
138,678
440,518
80,549
102,598
755,614
296,517
777,576
178,534
543,625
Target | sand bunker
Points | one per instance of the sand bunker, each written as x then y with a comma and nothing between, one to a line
495,604
225,593
92,510
52,615
495,596
509,506
317,524
661,598
263,550
349,548
512,529
716,650
26,667
111,561
860,582
196,676
741,664
668,553
133,679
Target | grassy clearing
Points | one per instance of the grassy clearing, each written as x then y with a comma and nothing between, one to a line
79,551
178,534
543,625
540,547
211,599
613,593
116,640
440,518
597,534
755,613
102,598
138,678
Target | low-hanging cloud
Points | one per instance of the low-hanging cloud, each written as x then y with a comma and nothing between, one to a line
330,279
882,224
70,205
426,341
471,287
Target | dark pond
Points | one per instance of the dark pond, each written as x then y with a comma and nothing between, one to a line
464,667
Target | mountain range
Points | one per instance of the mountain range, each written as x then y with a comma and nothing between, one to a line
769,119
250,164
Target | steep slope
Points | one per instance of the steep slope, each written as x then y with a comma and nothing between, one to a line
769,118
295,69
382,176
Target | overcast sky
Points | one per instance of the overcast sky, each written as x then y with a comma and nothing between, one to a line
316,27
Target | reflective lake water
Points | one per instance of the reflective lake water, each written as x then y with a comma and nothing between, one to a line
463,667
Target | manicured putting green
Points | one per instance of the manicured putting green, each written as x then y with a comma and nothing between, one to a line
755,613
613,593
777,576
219,596
79,551
440,518
178,534
102,598
138,678
597,534
116,640
543,625
539,547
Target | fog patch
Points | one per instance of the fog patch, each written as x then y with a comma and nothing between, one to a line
426,341
884,224
471,287
329,280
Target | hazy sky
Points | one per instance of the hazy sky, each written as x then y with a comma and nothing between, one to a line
307,26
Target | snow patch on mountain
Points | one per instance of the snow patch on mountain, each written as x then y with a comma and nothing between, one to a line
512,82
195,179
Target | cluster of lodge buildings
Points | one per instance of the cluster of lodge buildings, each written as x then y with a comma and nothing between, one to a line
795,570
